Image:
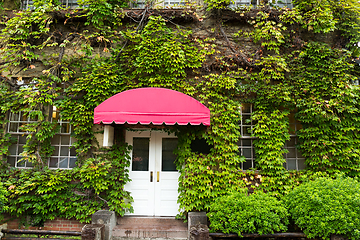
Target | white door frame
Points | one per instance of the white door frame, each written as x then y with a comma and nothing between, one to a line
155,192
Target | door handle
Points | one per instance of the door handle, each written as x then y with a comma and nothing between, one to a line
151,176
158,176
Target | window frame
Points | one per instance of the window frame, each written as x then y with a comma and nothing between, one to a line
294,126
16,119
245,125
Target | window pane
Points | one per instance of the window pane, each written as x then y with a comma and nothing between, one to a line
72,151
72,163
55,140
11,161
53,162
247,164
20,149
246,152
168,156
64,151
65,140
56,151
20,163
63,163
247,131
12,149
291,164
301,164
13,127
65,128
246,108
292,153
247,142
22,139
140,154
14,116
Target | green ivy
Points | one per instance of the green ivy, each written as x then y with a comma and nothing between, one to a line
290,67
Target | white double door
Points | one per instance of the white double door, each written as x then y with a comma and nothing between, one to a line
153,174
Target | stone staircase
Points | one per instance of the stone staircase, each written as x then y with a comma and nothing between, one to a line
135,228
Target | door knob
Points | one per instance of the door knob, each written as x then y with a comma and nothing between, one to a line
158,176
151,176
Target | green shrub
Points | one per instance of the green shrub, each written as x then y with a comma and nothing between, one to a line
326,206
3,200
257,213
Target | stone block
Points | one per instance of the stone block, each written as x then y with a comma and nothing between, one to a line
93,232
199,232
107,218
195,218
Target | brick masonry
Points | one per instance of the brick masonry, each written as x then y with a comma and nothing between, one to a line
58,224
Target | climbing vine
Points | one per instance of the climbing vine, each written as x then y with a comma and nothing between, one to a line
280,60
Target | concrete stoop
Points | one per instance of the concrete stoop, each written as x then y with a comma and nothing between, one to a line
149,228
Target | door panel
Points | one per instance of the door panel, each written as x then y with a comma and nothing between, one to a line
154,185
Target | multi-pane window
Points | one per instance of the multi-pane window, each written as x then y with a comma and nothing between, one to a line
64,156
254,3
245,143
141,4
174,3
166,3
241,3
28,4
16,120
294,159
281,3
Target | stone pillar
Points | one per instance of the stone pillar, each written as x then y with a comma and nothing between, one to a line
3,226
197,226
107,218
93,232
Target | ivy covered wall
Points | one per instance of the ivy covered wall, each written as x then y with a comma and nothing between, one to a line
278,60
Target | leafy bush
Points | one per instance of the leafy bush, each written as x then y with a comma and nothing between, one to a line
3,199
257,213
326,206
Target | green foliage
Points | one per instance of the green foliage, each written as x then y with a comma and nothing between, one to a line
241,213
205,177
3,200
163,55
325,101
326,206
102,56
103,13
52,193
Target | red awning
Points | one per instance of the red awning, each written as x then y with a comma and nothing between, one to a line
152,105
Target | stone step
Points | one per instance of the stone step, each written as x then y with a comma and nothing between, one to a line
129,228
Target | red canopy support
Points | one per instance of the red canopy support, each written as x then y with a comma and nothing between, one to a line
152,105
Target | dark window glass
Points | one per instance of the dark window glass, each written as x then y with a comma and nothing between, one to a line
200,146
168,156
140,154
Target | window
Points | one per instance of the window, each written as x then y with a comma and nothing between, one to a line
294,159
174,3
16,120
241,3
245,143
28,4
254,3
281,3
64,156
140,4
